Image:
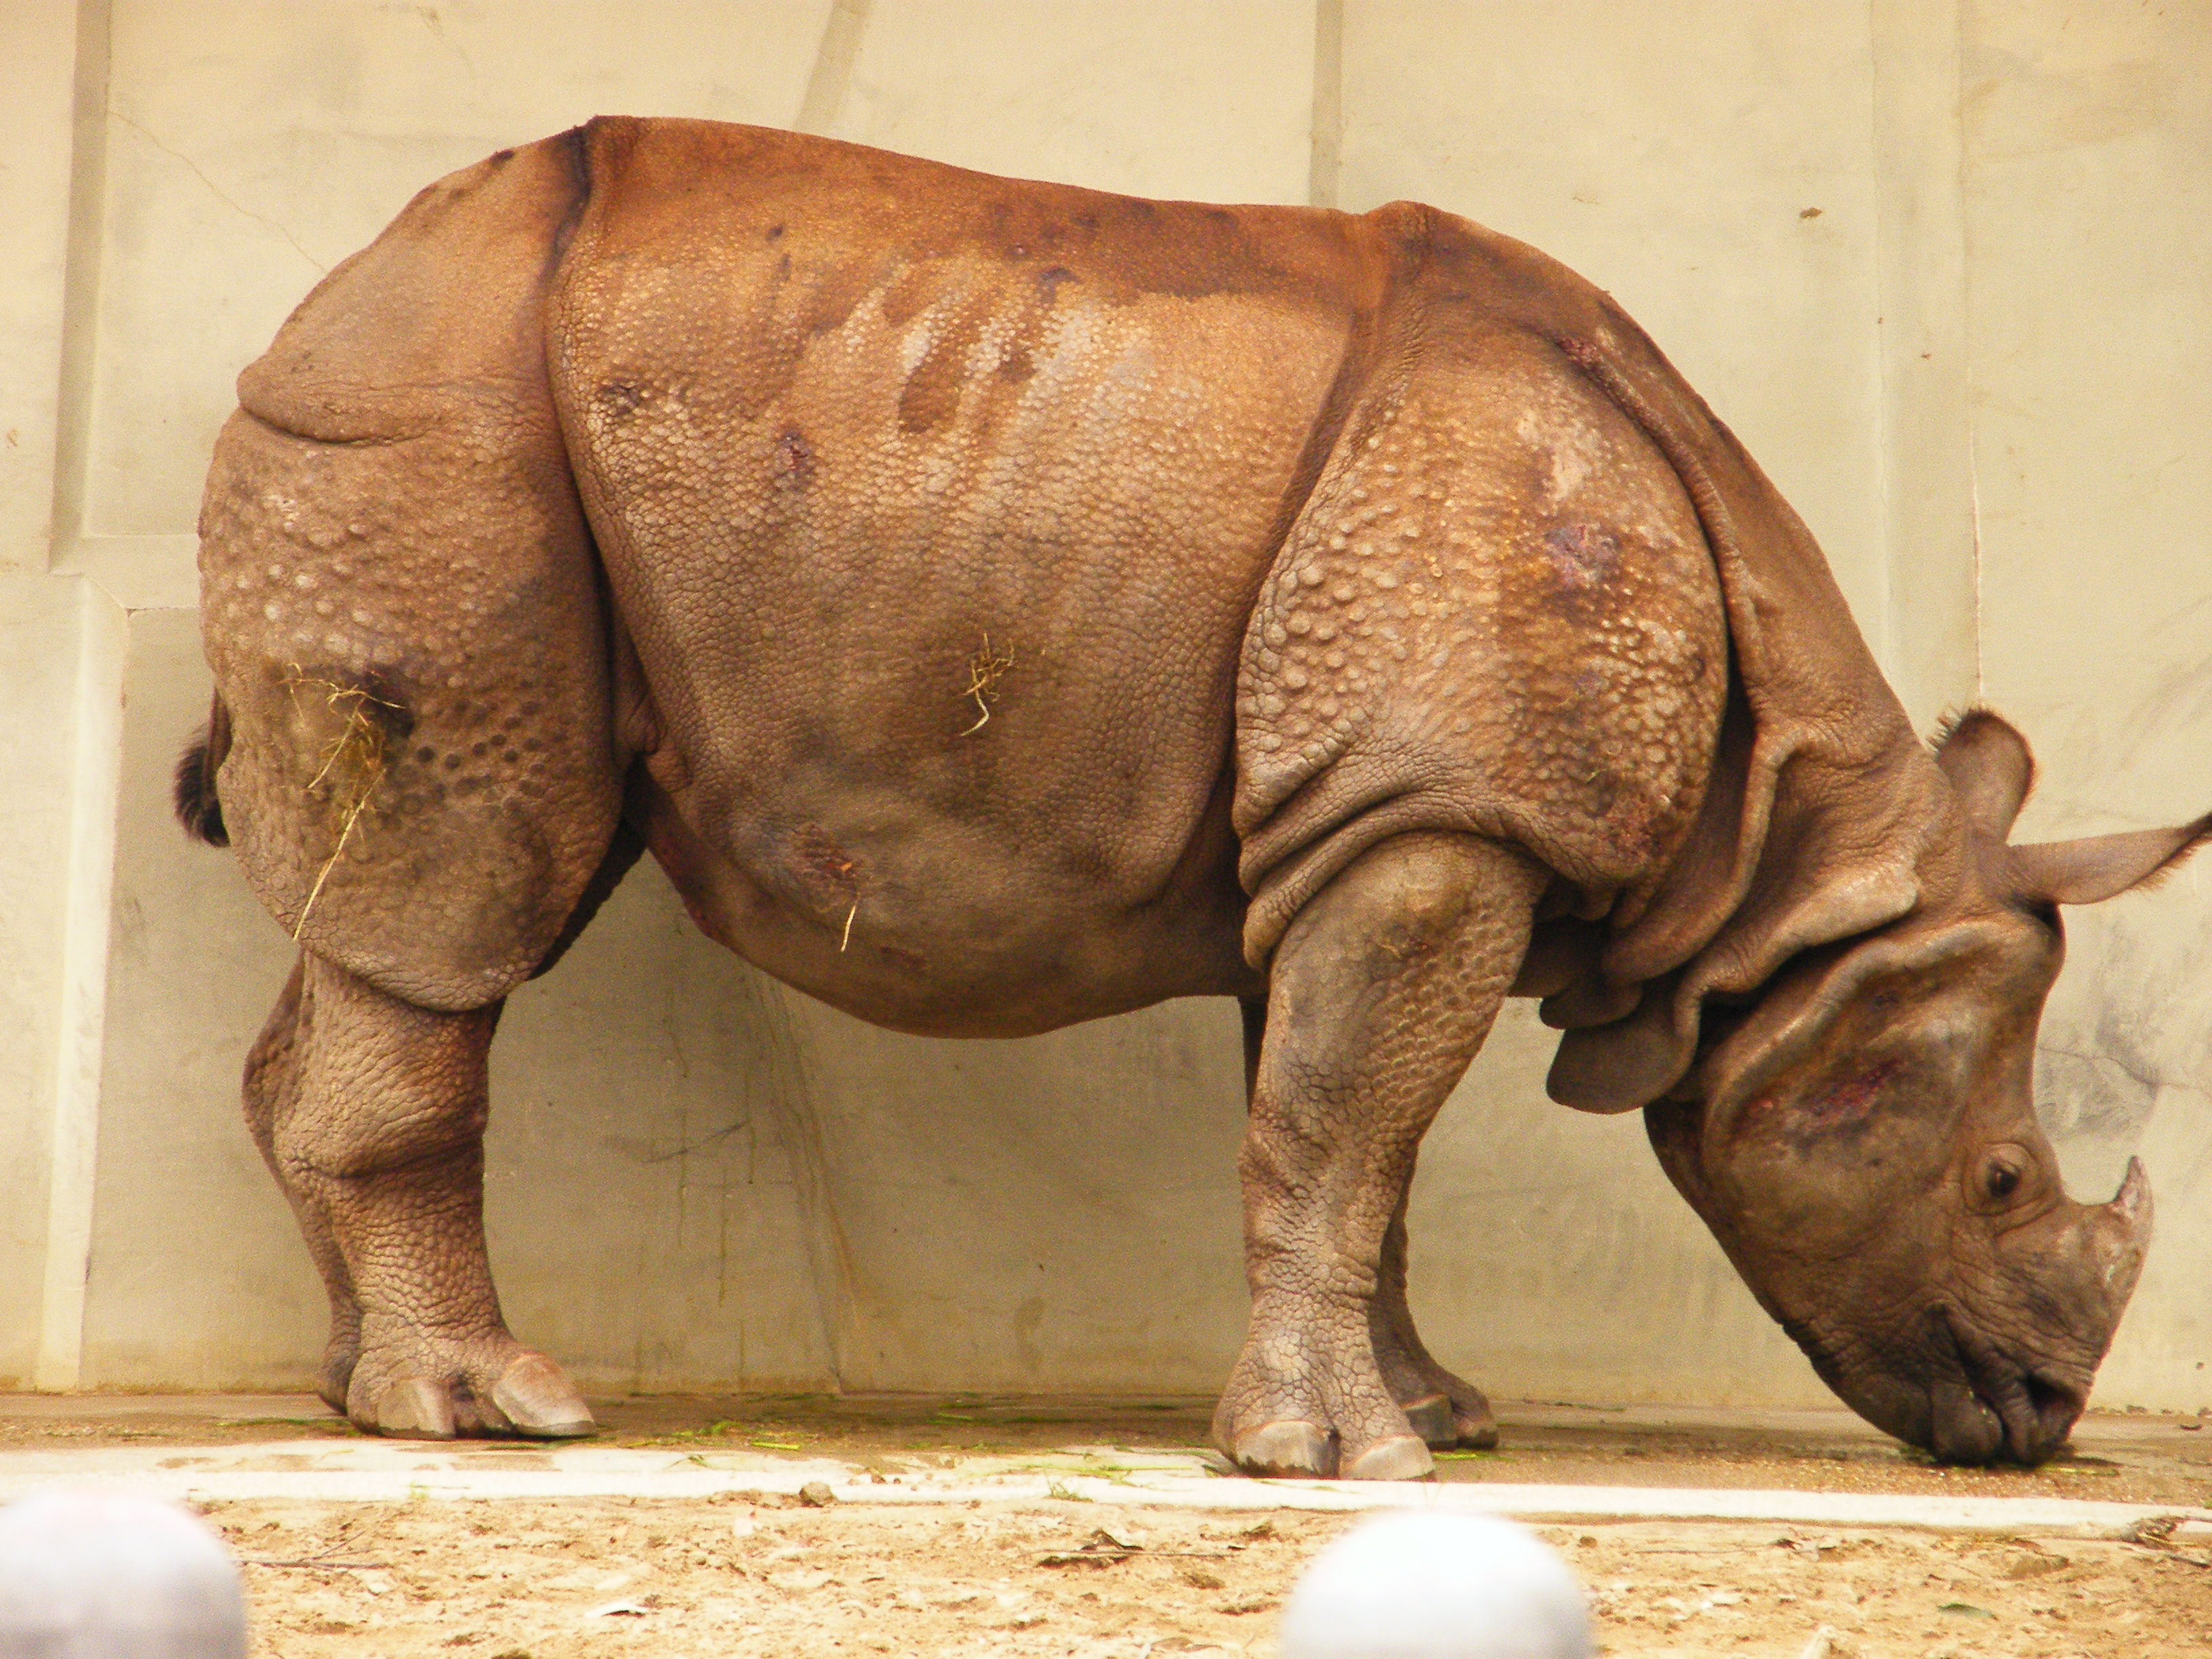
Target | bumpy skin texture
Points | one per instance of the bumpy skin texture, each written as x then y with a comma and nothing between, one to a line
390,539
999,604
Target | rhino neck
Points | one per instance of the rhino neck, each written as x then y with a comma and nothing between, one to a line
1806,836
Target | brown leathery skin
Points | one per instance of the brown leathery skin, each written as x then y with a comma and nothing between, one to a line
385,1138
845,433
969,590
271,1093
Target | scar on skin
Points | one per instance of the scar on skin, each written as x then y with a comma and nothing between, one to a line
985,670
353,766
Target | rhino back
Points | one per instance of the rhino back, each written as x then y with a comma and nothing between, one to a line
935,505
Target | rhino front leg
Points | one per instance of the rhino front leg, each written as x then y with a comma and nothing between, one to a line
375,1117
1382,992
1445,1410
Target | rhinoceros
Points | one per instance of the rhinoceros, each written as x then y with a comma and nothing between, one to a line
998,604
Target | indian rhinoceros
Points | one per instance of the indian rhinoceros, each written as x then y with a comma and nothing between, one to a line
999,604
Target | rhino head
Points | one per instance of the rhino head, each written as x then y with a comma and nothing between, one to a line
1861,1138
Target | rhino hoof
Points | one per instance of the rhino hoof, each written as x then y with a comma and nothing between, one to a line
540,1401
1290,1448
1400,1458
1434,1420
1476,1433
414,1408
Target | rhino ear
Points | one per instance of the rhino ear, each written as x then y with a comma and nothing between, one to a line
1989,766
2099,866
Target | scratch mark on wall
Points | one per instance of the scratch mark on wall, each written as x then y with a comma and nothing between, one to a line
685,1148
219,193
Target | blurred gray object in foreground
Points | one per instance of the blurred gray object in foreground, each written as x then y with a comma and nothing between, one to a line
90,1575
1420,1584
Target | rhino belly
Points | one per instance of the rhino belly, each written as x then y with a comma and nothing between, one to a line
933,923
937,557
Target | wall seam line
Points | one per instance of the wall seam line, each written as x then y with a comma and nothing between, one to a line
73,1162
1887,648
1325,138
832,79
1971,437
80,274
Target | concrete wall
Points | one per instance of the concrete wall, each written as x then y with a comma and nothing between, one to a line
1943,268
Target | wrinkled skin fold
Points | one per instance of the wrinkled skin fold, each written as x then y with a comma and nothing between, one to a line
997,605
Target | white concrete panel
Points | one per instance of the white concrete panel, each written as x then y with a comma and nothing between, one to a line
196,1270
1716,177
2088,158
650,1220
1930,631
251,145
1149,97
43,628
1059,1213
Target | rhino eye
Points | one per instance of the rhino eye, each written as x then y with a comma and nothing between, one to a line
2003,1169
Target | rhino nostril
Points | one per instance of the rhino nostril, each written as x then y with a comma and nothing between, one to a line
2055,1409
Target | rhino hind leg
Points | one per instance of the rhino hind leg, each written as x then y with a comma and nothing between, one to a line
1382,992
371,1112
271,1094
415,760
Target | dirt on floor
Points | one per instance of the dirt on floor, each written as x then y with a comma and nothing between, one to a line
748,1579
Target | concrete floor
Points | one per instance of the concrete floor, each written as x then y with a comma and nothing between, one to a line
1554,1461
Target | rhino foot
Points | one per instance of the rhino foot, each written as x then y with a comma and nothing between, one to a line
1306,1402
508,1390
1405,1458
1431,1419
1446,1411
339,1359
1292,1449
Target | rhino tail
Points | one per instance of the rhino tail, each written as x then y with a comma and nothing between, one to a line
199,808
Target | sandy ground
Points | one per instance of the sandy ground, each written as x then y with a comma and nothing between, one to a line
761,1575
607,1577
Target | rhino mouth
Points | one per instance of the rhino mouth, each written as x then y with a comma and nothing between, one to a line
1959,1397
2007,1409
